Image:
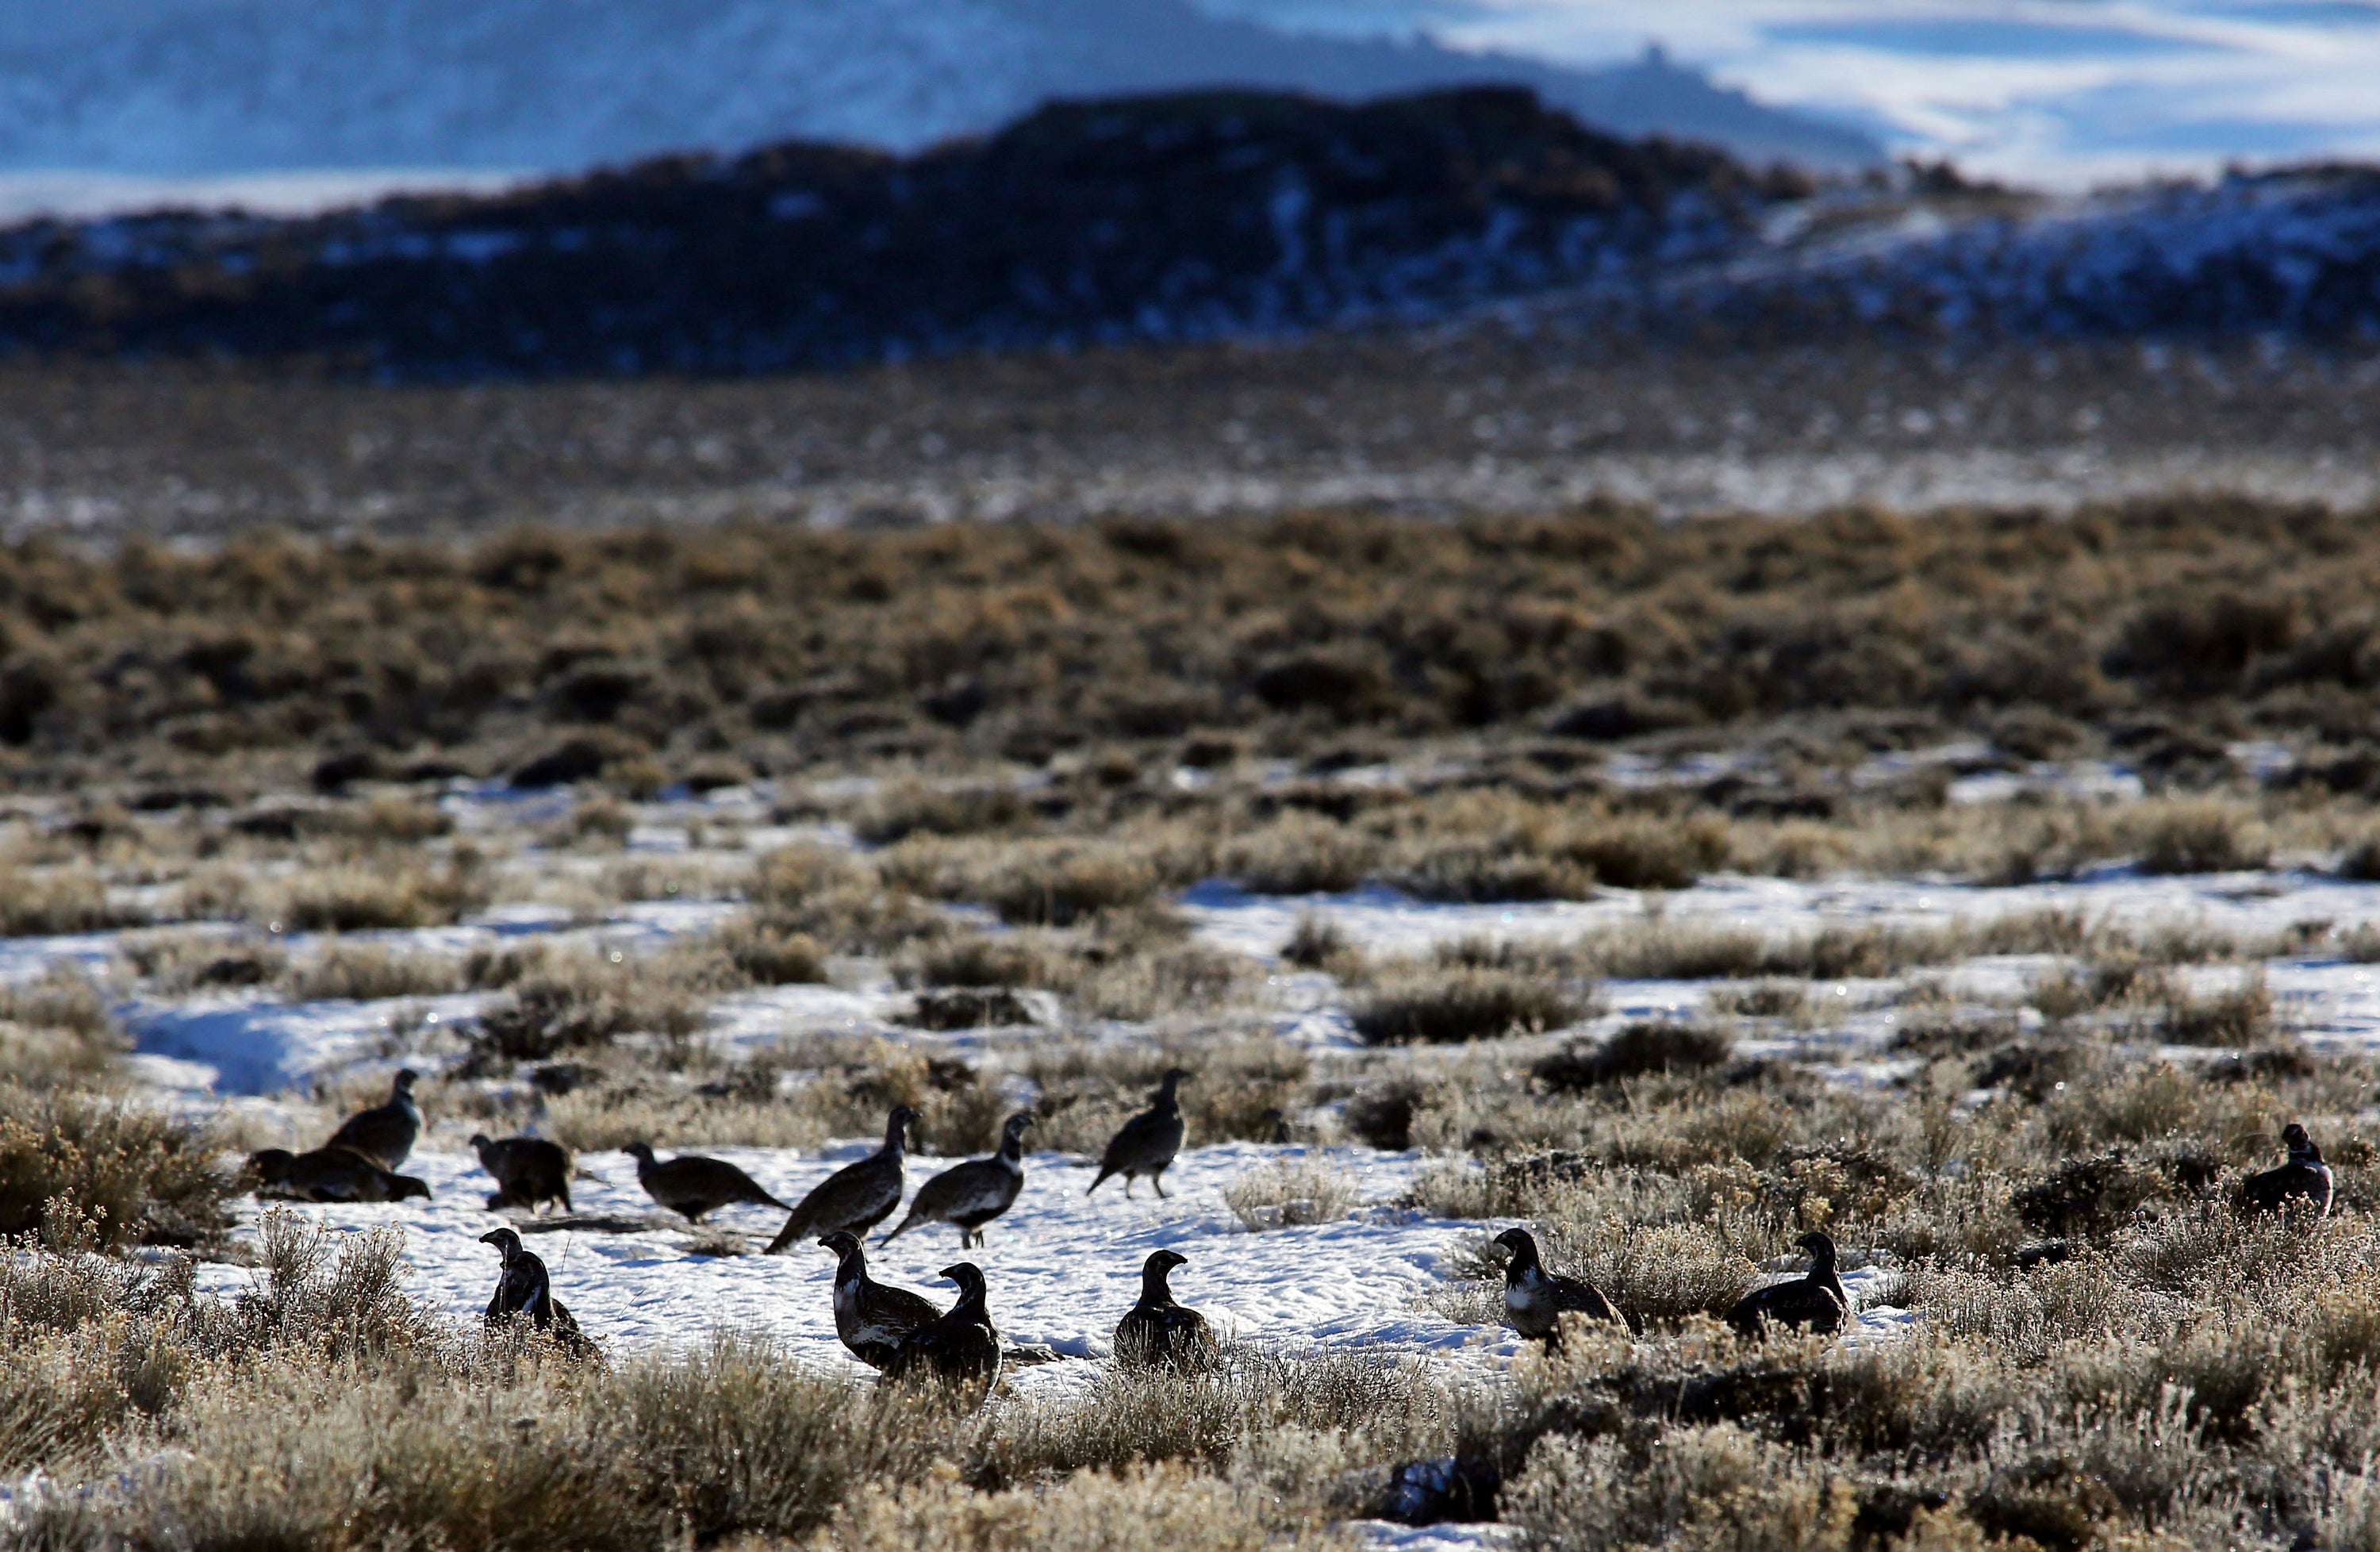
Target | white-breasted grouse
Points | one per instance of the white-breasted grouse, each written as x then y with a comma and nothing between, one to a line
969,1195
871,1318
1535,1299
524,1290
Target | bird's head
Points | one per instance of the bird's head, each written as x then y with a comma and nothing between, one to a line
1015,1125
409,1186
896,1125
1164,1261
2295,1138
843,1241
1519,1242
507,1244
405,1078
1821,1247
968,1275
481,1140
641,1152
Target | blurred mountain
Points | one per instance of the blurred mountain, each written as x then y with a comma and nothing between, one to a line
211,87
1185,216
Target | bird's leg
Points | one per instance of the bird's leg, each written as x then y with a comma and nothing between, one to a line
1157,1182
1127,1186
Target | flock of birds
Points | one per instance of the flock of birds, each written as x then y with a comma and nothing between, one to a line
904,1335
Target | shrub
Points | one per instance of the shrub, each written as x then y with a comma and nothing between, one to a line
1290,1194
140,1176
58,900
1301,853
1632,1052
2199,835
1463,1004
366,973
1317,943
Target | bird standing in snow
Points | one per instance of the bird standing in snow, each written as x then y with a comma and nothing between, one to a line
857,1197
1146,1145
971,1194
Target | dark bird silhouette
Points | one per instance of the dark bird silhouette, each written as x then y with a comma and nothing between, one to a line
960,1348
857,1196
1535,1298
1814,1302
2302,1184
529,1171
971,1194
870,1317
692,1185
384,1134
1158,1333
330,1175
1146,1145
524,1289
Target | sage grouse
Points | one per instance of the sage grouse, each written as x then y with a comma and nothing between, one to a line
523,1289
1158,1333
1147,1144
1535,1298
692,1185
870,1317
529,1171
971,1194
2304,1182
857,1196
960,1348
384,1134
330,1175
1814,1302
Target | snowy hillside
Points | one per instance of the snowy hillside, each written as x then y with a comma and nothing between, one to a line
196,87
1189,216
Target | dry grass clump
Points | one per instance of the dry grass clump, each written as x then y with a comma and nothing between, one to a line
592,1000
56,1029
2198,835
140,1176
38,902
1302,854
387,894
1042,884
1633,1051
1290,1193
838,901
371,972
1165,1506
1439,1007
978,959
768,954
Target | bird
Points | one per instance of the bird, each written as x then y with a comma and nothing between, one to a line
870,1317
384,1134
692,1185
971,1194
1815,1300
1146,1145
331,1174
1535,1298
529,1171
960,1348
857,1196
1157,1332
523,1289
2305,1180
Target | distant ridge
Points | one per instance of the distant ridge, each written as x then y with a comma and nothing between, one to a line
1187,217
208,88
